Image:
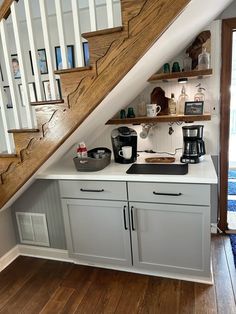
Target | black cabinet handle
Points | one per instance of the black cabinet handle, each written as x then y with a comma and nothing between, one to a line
132,219
167,194
125,224
84,190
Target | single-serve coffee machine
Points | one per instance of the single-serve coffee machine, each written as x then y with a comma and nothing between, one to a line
124,144
193,146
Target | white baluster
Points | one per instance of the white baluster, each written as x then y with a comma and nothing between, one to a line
10,75
92,14
47,43
30,112
8,137
61,34
34,52
79,55
110,13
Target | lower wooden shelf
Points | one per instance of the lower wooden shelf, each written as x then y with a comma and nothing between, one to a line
163,118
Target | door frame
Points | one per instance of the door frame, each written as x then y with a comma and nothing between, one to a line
228,26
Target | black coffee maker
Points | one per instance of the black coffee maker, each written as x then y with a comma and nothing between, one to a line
124,144
193,146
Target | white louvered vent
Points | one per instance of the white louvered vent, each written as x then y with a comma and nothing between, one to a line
32,228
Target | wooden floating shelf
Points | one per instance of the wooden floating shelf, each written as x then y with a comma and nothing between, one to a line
175,75
164,118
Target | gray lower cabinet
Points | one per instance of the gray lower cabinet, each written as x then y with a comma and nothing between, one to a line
97,231
154,227
171,238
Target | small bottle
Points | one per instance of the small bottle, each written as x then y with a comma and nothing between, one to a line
83,150
199,96
204,60
172,105
187,63
183,97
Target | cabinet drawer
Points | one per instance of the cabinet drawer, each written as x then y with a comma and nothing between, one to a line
106,190
195,194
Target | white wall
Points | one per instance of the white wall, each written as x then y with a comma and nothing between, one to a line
7,234
159,139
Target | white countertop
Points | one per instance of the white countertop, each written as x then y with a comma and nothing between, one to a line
203,172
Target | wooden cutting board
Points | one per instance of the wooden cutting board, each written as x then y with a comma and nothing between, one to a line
160,160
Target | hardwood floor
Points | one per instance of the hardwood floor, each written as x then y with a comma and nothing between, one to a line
31,285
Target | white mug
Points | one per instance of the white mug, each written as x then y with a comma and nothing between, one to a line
153,110
126,152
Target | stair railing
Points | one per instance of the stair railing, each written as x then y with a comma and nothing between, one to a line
23,113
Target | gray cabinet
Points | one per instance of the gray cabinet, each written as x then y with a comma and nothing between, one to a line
171,239
159,228
97,231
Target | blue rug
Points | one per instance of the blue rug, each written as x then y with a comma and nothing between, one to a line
231,187
232,205
232,174
233,244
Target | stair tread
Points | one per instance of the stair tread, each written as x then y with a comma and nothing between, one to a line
23,130
5,155
78,69
102,32
47,102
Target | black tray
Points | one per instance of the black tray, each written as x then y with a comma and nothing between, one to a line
174,169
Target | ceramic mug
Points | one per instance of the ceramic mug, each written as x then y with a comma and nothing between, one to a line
153,110
126,152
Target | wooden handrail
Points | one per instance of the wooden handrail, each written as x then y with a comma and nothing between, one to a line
5,9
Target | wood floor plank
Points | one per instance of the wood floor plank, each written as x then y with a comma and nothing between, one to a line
14,277
79,279
37,290
186,298
133,293
162,296
224,290
95,300
205,299
32,285
57,302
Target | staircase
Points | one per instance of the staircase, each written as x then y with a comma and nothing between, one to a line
113,52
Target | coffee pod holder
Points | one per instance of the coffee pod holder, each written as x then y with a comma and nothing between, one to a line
98,158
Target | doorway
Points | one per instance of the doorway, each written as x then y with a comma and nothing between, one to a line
228,128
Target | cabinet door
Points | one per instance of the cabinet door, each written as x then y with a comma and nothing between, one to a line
171,238
97,231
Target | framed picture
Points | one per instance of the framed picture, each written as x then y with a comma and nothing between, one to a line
8,97
70,56
32,93
47,90
86,53
193,108
15,66
42,61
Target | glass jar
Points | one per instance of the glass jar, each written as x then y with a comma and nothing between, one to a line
204,60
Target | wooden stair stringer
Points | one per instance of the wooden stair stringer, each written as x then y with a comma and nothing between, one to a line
91,91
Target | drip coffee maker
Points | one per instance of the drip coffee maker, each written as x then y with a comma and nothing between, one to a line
193,144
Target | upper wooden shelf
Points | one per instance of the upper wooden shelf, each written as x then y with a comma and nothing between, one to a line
175,75
164,118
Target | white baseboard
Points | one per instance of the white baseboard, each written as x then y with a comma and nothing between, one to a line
42,252
9,257
214,228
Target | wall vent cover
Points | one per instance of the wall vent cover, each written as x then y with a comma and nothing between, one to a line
32,228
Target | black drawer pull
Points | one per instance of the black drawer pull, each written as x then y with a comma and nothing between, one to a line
125,224
84,190
132,219
167,194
